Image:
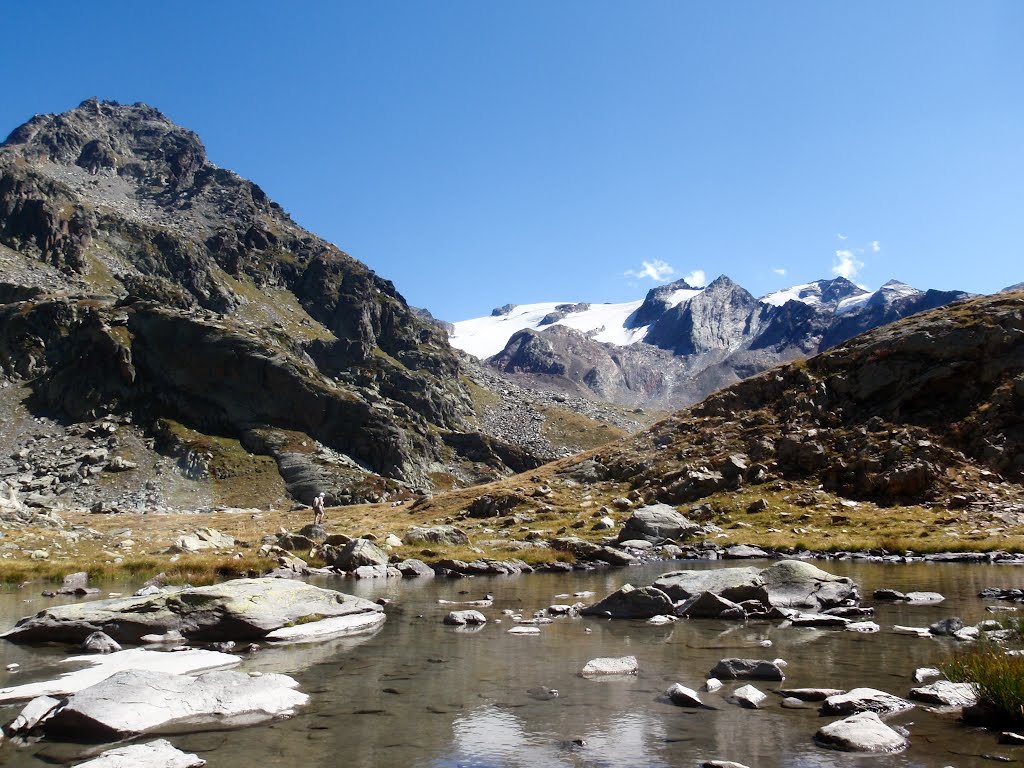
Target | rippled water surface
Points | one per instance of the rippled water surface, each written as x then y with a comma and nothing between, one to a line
420,694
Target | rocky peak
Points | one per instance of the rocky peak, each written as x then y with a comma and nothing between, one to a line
656,302
714,319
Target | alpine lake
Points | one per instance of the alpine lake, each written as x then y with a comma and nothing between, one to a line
421,694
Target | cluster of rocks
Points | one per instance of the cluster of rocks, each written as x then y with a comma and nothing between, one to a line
781,591
181,690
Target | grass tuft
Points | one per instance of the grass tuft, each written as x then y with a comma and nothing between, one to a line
997,678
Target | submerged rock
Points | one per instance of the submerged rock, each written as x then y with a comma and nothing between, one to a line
243,609
135,701
863,732
156,754
625,665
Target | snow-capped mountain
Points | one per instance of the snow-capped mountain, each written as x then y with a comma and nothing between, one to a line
680,342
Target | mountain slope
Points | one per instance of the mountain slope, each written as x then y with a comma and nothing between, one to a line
141,281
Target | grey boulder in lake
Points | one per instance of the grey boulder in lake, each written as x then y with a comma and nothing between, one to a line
156,754
243,609
135,701
631,602
863,732
785,584
796,584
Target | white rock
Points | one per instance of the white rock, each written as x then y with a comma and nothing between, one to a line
133,702
924,597
862,626
748,697
625,665
102,667
917,631
155,754
34,712
946,694
524,631
926,673
335,626
712,684
659,621
863,732
967,634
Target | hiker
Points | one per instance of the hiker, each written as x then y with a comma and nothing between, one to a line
318,509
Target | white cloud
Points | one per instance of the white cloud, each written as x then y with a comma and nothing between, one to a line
842,236
847,264
655,270
780,271
697,278
875,246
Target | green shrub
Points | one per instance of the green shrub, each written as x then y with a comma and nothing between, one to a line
997,678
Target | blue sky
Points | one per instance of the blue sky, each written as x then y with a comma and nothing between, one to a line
478,153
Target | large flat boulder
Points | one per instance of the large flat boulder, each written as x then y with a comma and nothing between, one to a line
243,609
863,732
156,754
657,522
864,700
100,668
735,584
632,603
797,584
134,702
946,694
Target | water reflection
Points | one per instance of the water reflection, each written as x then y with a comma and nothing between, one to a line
422,694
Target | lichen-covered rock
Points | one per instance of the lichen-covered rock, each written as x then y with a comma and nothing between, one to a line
242,609
797,584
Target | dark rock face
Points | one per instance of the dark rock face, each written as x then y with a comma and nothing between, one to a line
141,279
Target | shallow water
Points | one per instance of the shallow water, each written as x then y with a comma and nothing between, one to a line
420,694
